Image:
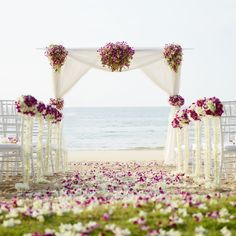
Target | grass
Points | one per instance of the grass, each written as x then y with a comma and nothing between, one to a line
121,215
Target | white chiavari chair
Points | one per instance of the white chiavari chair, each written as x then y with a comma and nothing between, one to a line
228,139
10,153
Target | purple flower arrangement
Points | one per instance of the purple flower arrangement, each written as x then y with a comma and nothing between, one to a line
176,123
57,55
181,119
213,107
52,114
41,109
28,105
57,102
201,108
173,54
116,56
193,112
176,100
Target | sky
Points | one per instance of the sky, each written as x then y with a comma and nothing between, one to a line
207,26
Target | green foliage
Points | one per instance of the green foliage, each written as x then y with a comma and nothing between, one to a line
121,215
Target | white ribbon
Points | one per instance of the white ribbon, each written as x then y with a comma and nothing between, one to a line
186,149
58,148
40,149
61,154
27,145
48,148
179,151
216,123
197,171
207,149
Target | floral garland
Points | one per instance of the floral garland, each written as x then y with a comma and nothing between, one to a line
176,100
57,102
116,56
214,109
181,120
26,105
173,54
57,55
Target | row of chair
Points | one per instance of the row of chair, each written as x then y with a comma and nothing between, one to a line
14,141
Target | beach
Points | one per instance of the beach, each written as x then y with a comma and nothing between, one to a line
81,161
118,155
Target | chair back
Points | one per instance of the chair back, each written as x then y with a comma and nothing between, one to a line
10,121
228,122
229,108
228,130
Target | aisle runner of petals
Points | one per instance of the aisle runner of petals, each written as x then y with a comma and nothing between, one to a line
113,186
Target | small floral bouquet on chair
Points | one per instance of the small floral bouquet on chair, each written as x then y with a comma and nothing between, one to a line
116,56
27,105
57,55
181,119
213,107
176,101
195,112
57,102
41,109
12,140
52,114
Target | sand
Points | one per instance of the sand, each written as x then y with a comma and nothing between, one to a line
121,155
7,188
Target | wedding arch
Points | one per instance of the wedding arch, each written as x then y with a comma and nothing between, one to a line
152,61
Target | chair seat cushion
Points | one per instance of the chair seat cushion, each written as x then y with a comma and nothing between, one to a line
9,146
230,147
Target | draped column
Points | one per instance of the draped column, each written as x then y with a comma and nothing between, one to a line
169,81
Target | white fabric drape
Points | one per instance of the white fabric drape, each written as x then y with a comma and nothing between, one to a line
150,61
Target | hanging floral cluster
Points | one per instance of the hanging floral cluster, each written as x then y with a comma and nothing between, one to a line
57,102
173,54
116,56
57,55
176,100
29,105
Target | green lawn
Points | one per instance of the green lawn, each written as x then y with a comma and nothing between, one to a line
151,214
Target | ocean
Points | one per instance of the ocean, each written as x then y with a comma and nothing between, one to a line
115,128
